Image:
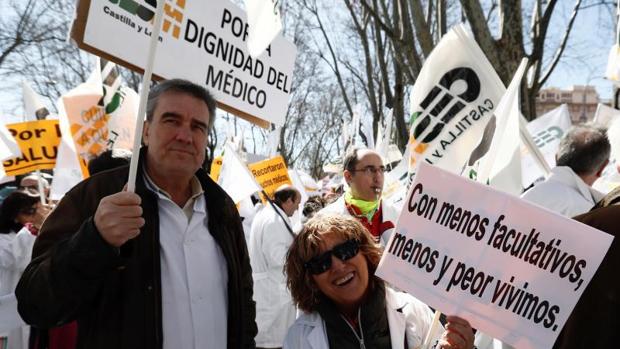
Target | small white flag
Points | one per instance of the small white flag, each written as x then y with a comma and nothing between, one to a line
34,109
383,139
547,131
235,177
273,141
8,145
264,24
500,166
613,64
68,171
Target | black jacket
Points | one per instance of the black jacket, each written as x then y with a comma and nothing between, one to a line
116,294
595,320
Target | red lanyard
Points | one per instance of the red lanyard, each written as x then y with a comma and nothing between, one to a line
376,226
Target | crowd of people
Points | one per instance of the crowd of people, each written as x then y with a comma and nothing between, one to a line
170,266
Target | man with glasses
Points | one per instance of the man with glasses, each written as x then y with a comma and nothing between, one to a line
364,173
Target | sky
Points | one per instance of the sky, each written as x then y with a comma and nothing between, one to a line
585,58
583,62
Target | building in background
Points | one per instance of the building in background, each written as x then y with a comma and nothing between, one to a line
581,101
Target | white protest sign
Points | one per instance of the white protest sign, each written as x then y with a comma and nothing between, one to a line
201,41
547,131
511,268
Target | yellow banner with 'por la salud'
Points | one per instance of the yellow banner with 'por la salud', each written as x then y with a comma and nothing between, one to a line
38,141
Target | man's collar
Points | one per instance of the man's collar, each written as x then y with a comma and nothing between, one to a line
195,186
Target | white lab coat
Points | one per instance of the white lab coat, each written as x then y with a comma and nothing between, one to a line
407,316
390,214
564,192
15,254
269,242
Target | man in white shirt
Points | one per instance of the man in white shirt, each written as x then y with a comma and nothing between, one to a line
270,237
582,156
164,267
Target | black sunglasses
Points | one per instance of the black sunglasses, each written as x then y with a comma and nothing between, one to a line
322,263
28,210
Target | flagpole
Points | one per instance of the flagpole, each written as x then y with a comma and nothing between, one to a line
429,335
144,92
618,23
40,186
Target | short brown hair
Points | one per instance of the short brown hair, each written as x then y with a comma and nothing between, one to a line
307,244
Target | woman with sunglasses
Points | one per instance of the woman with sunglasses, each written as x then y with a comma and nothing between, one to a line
330,271
21,216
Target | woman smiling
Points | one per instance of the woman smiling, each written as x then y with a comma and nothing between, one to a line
330,271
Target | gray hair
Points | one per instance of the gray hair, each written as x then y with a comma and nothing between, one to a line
584,149
181,86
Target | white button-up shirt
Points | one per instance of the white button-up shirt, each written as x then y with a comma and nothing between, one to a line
194,274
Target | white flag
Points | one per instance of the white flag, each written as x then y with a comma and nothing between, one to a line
366,133
8,145
34,109
547,131
613,64
299,185
67,172
354,132
605,115
235,178
500,166
453,98
383,139
264,24
273,141
346,138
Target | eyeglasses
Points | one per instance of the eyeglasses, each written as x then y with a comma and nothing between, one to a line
344,252
370,170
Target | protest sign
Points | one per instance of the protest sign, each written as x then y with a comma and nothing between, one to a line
452,100
547,131
38,141
270,174
201,41
513,269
